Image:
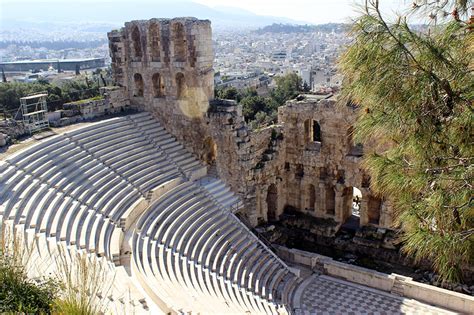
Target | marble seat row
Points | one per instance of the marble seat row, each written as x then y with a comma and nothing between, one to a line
221,193
192,244
168,144
43,209
113,147
76,187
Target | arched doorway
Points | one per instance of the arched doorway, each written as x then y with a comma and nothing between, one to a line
272,202
154,34
352,197
137,77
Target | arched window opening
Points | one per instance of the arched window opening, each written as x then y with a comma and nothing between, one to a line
180,86
356,201
311,197
179,40
158,86
137,45
316,134
137,77
330,201
272,202
154,34
312,132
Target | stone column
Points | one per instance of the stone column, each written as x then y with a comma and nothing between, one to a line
339,211
386,214
321,202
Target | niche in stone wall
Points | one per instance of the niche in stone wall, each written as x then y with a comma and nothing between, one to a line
180,86
272,202
373,210
137,44
330,200
154,34
311,191
138,79
158,86
179,40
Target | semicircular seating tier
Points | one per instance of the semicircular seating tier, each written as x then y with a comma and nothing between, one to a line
126,179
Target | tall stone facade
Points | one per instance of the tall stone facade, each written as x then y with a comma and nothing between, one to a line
308,162
165,66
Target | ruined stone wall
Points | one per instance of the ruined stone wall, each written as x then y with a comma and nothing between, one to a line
308,162
165,66
322,164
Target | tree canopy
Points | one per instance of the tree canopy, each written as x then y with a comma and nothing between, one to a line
261,109
80,88
415,95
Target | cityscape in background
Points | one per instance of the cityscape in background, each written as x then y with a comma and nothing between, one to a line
243,58
250,49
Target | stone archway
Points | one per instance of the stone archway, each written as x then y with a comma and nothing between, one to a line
352,202
154,34
272,202
179,40
137,44
210,151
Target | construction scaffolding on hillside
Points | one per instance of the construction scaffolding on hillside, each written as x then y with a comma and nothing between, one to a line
34,112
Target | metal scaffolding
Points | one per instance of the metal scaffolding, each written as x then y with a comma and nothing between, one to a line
34,112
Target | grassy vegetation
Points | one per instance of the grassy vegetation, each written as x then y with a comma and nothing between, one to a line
18,294
87,100
76,287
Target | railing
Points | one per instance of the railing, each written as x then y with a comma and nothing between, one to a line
262,239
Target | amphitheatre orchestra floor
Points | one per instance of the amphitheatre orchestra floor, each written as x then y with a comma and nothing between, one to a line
326,295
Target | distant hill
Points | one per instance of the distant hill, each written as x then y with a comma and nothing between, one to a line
117,12
295,28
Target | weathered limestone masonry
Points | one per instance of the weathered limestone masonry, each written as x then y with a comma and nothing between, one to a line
308,162
323,165
165,66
